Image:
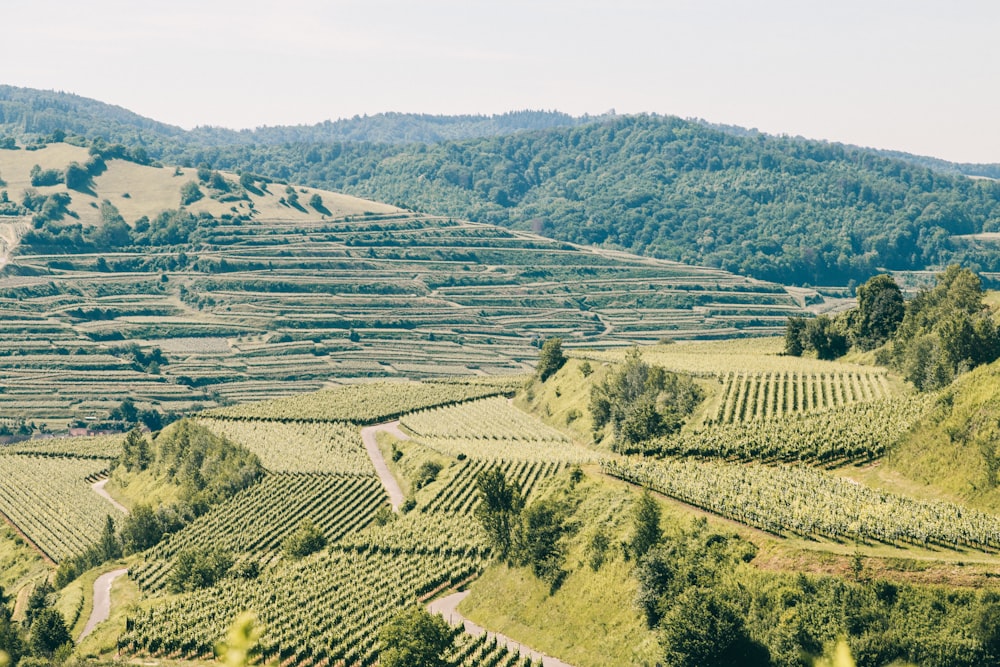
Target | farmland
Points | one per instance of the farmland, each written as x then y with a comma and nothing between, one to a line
266,299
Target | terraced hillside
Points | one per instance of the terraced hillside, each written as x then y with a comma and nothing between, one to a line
263,296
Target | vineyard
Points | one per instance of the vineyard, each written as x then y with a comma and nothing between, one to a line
326,608
753,396
861,431
359,404
459,495
50,500
259,518
804,501
327,447
488,418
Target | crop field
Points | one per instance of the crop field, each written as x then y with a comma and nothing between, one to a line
327,447
285,304
258,519
50,501
808,502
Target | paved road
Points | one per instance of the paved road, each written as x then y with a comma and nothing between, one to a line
98,488
447,607
396,497
102,601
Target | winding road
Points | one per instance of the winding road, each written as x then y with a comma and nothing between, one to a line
448,608
98,488
102,601
368,434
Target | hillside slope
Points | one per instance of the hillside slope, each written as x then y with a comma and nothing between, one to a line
775,208
256,291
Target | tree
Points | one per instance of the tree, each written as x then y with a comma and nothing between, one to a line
642,401
76,176
48,633
140,529
646,532
198,568
703,629
499,510
539,544
109,547
824,336
415,638
190,193
316,201
795,328
305,540
880,311
135,454
550,359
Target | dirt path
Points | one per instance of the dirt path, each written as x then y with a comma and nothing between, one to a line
368,433
98,488
447,607
102,601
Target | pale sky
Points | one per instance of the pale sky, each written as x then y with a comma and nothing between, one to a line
911,75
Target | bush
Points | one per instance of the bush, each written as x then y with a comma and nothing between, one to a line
307,539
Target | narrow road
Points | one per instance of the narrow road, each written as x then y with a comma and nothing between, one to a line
368,433
102,601
448,608
98,488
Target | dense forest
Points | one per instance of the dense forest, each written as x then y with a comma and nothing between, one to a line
775,208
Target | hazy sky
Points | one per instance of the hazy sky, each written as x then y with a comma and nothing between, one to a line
911,75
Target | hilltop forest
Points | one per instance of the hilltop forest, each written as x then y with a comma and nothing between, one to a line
773,208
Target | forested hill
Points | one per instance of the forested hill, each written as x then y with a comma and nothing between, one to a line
26,113
781,209
776,208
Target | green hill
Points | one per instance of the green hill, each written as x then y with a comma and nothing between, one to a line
776,208
113,290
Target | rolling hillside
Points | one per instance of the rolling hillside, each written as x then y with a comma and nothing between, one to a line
256,291
784,209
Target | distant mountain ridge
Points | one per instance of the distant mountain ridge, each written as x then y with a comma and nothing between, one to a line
27,114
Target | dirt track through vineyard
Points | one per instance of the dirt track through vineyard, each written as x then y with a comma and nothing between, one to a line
102,601
368,434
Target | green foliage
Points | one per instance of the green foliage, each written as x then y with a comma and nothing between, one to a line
704,629
550,359
946,330
208,468
141,529
43,178
197,568
135,455
879,313
826,337
795,329
76,177
642,402
240,646
190,193
646,531
48,633
499,511
543,524
307,539
426,473
415,638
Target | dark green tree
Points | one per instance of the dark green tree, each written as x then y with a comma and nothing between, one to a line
109,546
48,633
550,359
646,531
415,638
880,311
703,629
306,539
140,529
539,543
499,510
825,336
795,329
